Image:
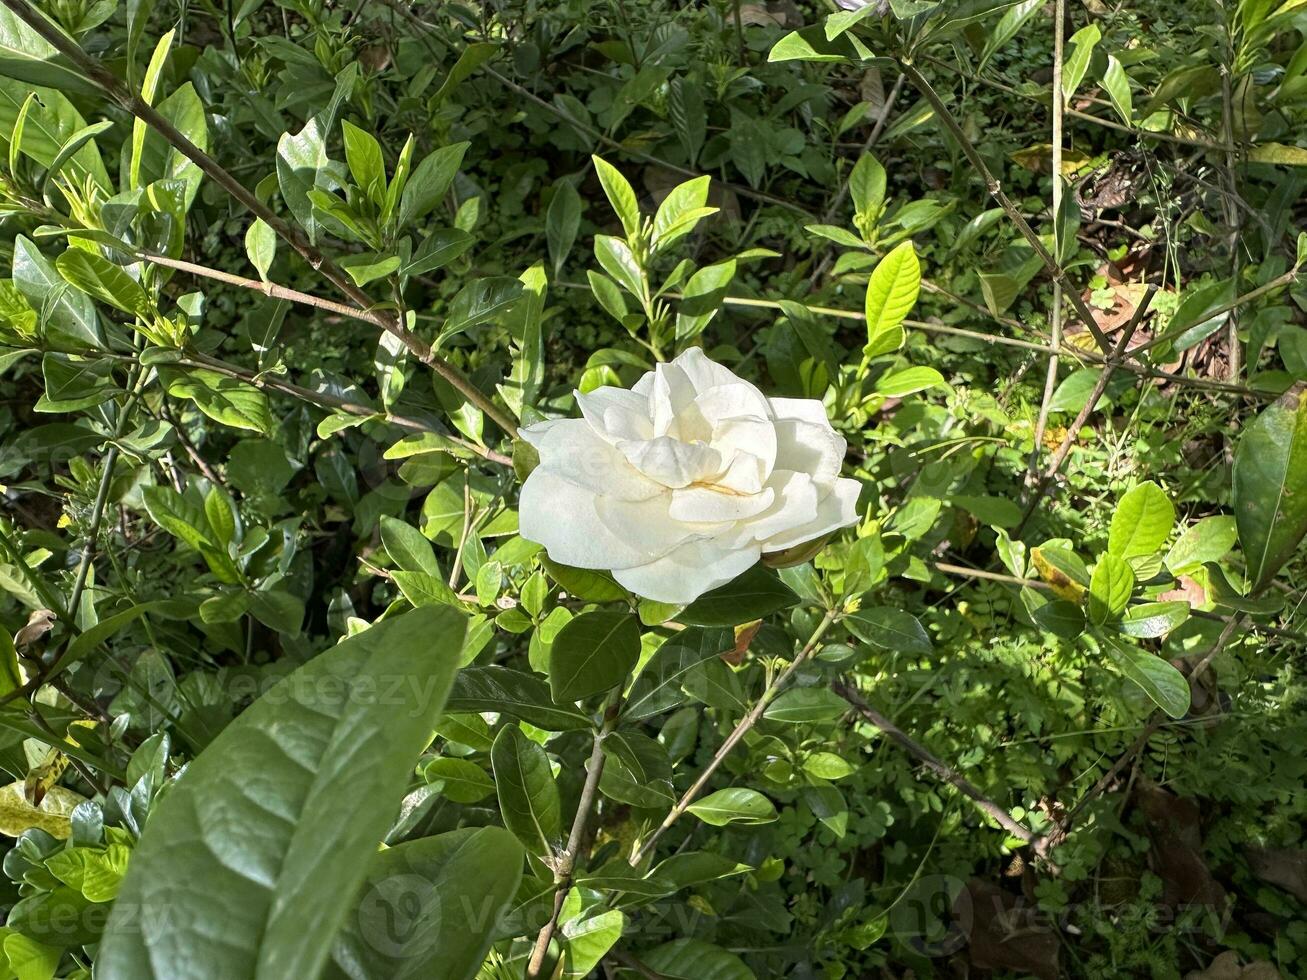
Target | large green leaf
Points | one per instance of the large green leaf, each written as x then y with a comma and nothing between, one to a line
67,315
248,867
592,653
657,688
224,399
528,795
891,292
28,57
1163,683
753,595
428,907
515,693
1141,523
1270,487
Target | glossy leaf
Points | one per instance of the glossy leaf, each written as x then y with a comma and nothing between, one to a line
1270,487
592,653
528,796
891,293
311,771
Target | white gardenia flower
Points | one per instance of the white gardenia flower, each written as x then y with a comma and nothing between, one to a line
681,483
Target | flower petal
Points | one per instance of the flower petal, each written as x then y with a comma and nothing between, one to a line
703,505
616,413
572,450
567,519
688,572
794,505
670,462
838,508
809,448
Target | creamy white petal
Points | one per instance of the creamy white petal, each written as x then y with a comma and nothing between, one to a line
534,433
565,519
646,527
616,413
704,505
809,448
744,473
671,394
838,508
794,505
703,372
671,462
683,575
572,450
803,409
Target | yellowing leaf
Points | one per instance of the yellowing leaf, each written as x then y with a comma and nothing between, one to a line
18,815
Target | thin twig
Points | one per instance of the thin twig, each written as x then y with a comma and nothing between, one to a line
1055,310
944,771
995,189
741,729
565,865
1114,360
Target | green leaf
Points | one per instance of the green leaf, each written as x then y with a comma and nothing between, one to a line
479,301
806,705
95,275
1152,620
1082,44
755,594
49,127
867,188
562,222
302,161
438,249
66,314
1221,591
28,57
312,771
617,259
226,400
637,771
430,181
620,195
513,692
261,246
594,652
891,292
1209,539
528,795
811,44
1141,522
72,146
462,781
587,940
1117,84
681,210
407,547
424,589
427,906
896,384
735,804
1270,487
11,678
366,163
891,629
1110,588
74,383
470,59
657,687
1061,617
702,299
1165,685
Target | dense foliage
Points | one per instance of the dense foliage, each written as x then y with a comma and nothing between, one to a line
284,278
